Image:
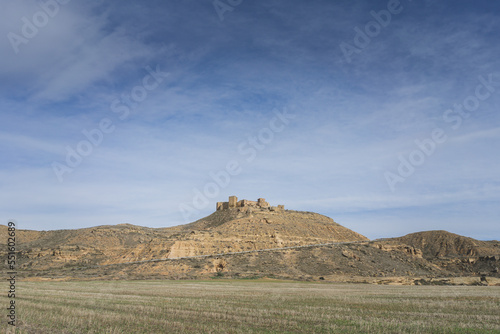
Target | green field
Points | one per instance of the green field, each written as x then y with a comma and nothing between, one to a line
223,306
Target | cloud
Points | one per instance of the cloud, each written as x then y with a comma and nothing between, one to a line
493,133
226,81
74,50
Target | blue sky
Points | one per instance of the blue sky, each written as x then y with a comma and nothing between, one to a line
380,114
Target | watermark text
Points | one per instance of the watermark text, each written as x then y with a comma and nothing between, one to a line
426,147
11,263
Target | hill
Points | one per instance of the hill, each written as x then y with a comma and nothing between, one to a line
455,254
249,242
445,244
231,230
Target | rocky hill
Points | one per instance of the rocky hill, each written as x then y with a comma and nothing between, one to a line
225,231
454,253
257,242
439,244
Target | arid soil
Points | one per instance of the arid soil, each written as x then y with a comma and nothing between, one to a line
237,243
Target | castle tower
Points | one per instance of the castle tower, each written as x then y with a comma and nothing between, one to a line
261,202
233,200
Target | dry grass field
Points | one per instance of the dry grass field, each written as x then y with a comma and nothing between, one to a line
252,306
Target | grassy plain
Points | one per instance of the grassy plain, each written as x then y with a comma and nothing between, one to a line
251,306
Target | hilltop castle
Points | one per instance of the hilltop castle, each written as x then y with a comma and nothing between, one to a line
244,203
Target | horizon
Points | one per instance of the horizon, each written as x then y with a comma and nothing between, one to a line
382,115
128,224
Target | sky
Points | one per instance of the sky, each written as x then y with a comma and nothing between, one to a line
382,115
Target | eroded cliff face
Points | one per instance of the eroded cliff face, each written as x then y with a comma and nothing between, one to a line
446,244
237,230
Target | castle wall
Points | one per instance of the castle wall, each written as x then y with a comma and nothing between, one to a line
221,206
245,202
261,202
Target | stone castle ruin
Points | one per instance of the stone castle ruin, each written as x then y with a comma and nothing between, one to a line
244,203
